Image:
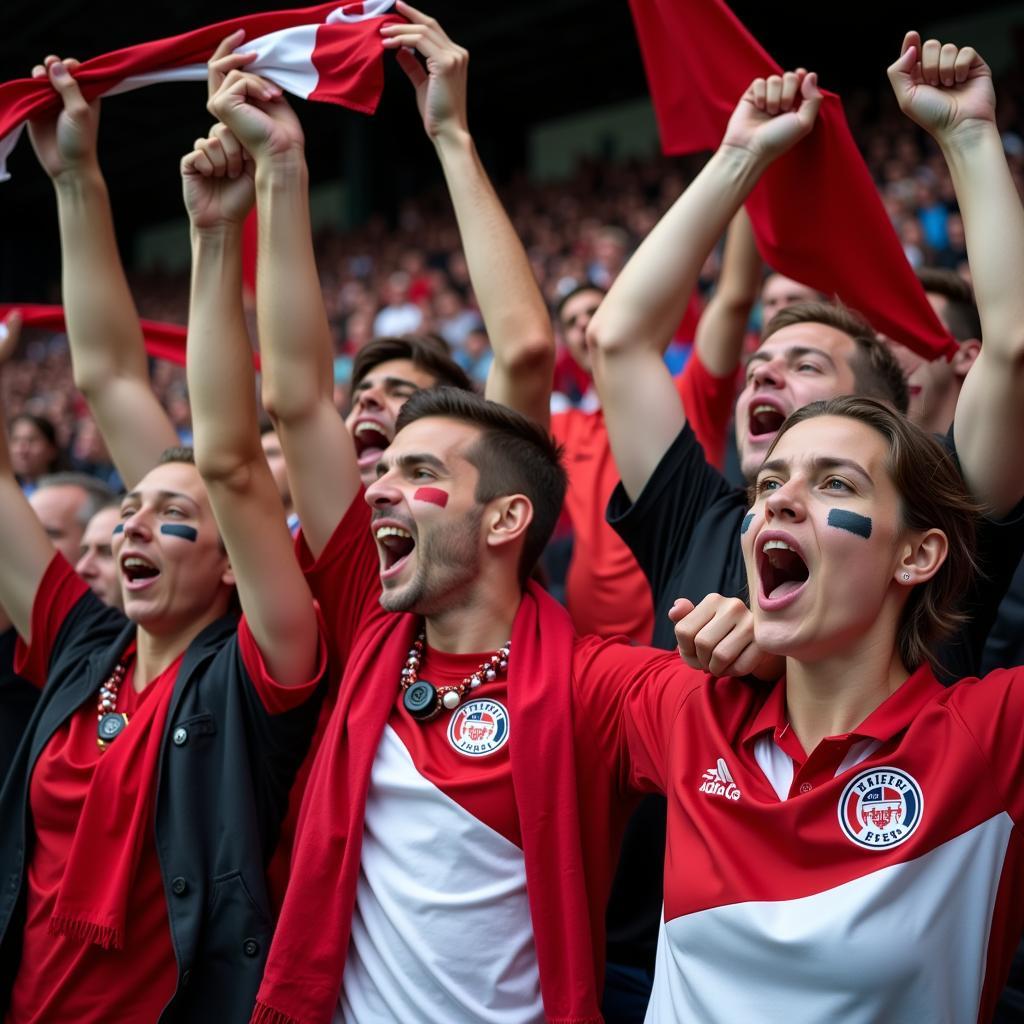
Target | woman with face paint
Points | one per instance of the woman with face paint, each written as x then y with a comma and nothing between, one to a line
145,799
843,844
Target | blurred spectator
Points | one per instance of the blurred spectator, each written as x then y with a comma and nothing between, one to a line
34,449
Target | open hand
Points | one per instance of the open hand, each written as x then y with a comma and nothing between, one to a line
441,87
66,142
942,87
774,114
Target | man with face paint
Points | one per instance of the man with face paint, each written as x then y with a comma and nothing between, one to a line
467,714
141,808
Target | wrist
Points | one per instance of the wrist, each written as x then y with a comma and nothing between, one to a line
740,162
968,136
216,235
282,170
75,181
452,139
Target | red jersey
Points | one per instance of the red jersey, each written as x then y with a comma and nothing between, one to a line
606,590
875,878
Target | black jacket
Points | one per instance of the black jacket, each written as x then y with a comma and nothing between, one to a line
226,766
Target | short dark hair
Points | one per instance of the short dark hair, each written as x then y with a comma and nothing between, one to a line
960,317
932,495
178,453
587,286
876,372
512,456
97,494
427,352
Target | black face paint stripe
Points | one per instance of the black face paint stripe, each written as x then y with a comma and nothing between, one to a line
119,528
842,519
747,520
189,533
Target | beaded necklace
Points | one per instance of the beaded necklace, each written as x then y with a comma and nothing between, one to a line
424,701
111,722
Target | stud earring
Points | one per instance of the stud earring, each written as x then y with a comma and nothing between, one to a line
906,577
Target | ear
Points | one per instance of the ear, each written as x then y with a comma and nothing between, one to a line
922,558
967,352
507,519
227,577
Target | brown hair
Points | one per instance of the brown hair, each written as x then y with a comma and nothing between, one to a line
512,456
875,370
427,352
960,317
179,453
932,496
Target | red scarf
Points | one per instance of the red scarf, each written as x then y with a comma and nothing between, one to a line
564,884
816,213
92,903
163,341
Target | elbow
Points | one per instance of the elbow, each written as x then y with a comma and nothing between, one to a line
226,470
290,406
605,340
533,355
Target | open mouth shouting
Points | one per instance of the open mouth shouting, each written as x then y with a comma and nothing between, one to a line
394,544
781,569
765,416
370,437
137,572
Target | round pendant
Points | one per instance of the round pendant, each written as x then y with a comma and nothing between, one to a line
451,700
110,726
420,700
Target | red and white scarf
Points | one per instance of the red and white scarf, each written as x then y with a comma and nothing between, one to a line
331,53
567,873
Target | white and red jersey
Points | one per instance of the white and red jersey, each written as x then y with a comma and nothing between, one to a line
441,929
877,878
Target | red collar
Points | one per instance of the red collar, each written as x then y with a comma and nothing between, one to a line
892,716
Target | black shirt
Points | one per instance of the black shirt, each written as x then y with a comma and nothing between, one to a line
17,700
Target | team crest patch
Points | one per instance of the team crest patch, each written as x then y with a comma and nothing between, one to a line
881,808
478,728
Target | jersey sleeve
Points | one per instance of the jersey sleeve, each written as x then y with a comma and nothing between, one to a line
630,696
659,525
708,402
992,710
60,591
345,579
277,699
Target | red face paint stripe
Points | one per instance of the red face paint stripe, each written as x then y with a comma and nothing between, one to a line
432,494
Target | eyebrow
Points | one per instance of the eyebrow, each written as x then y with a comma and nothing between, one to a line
389,382
411,460
161,496
797,352
822,462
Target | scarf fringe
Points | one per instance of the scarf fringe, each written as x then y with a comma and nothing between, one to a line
104,936
264,1014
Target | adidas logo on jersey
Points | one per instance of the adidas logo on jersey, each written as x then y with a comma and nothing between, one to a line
718,781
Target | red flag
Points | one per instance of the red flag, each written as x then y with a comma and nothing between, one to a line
163,341
816,213
330,53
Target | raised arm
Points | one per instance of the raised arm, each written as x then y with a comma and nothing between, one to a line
218,185
295,341
513,309
645,304
948,91
723,324
108,357
25,549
